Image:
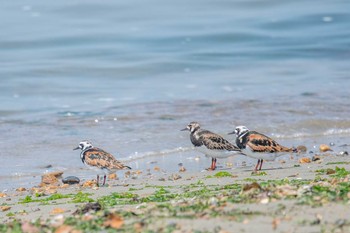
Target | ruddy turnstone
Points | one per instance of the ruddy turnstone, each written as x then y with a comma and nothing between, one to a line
210,144
259,146
99,160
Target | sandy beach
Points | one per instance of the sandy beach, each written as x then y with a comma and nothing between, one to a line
300,195
128,76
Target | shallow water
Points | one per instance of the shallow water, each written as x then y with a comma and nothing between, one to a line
130,75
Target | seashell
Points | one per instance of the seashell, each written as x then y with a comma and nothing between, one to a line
324,148
304,160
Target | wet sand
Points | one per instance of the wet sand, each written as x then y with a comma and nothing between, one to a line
278,198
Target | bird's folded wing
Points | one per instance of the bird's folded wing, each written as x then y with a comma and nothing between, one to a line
261,143
102,159
216,142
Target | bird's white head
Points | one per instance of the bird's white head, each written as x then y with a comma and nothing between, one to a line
193,126
84,145
240,130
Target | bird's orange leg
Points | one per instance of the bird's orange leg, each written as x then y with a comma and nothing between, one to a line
261,162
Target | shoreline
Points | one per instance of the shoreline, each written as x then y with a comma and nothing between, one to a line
191,159
277,198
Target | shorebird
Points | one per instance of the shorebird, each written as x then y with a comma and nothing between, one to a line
259,146
99,160
210,144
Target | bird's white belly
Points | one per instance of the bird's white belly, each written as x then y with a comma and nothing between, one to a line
262,155
216,153
98,170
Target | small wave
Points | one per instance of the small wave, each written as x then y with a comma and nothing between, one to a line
314,134
294,135
336,131
137,156
19,175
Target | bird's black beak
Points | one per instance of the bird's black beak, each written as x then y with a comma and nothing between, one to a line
184,129
77,148
232,132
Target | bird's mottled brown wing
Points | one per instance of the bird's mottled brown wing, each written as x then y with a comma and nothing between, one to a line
261,143
215,142
102,159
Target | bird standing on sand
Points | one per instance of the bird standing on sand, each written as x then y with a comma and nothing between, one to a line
259,146
210,144
99,160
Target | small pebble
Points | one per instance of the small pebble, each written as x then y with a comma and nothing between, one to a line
324,148
5,208
112,176
172,225
264,200
343,153
127,174
174,177
304,160
301,149
89,207
137,172
251,187
71,180
57,210
213,201
21,189
50,178
317,221
340,222
332,144
330,171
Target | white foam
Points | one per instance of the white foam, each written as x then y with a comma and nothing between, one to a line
138,155
336,131
327,19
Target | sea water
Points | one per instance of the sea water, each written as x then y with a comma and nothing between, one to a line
128,75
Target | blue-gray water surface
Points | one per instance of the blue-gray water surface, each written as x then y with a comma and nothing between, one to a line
128,75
